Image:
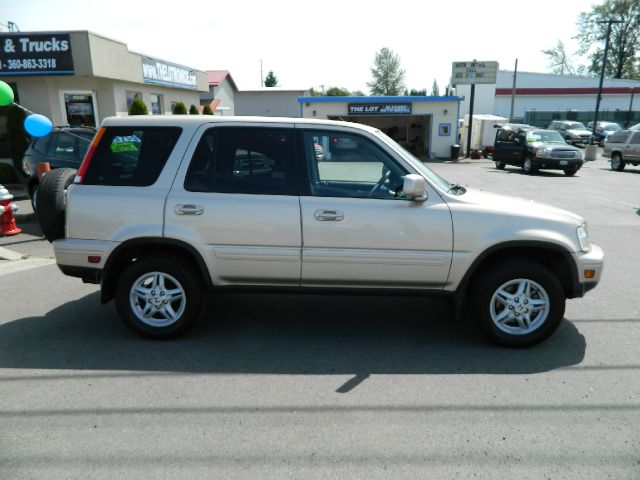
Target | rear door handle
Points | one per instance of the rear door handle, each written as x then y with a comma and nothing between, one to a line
328,215
189,209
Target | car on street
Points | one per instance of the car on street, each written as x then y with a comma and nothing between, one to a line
603,130
534,149
622,148
63,147
182,221
573,132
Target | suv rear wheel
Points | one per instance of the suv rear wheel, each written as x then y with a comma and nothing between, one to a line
157,297
616,162
519,303
570,172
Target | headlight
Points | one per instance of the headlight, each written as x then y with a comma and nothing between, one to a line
583,238
543,153
579,154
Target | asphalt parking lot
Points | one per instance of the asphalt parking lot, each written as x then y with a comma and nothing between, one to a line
318,387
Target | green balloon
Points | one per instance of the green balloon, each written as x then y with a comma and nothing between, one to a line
6,94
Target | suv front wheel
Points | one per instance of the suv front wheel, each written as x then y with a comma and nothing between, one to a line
158,297
528,166
519,303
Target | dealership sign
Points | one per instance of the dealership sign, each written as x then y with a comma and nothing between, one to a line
169,74
474,72
35,54
379,109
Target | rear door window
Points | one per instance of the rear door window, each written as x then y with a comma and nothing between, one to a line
131,156
618,137
250,160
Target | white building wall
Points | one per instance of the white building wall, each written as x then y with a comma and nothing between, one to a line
486,101
440,112
269,102
227,96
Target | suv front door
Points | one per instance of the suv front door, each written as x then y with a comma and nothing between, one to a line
238,202
358,229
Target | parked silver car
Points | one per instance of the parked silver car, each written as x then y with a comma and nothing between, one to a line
185,219
622,148
572,132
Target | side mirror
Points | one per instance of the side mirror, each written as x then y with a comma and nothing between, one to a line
415,187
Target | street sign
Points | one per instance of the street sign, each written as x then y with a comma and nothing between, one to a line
464,73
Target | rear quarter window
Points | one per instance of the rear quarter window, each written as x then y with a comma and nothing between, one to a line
618,137
131,156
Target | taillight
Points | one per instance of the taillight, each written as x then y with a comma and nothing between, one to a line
88,156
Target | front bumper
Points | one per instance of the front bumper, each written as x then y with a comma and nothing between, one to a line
591,261
558,163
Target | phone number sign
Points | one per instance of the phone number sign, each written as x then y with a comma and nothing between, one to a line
473,72
35,54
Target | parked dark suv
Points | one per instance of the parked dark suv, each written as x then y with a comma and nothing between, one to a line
534,149
64,147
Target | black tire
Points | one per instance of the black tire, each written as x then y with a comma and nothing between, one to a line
176,277
506,278
50,207
570,172
500,164
528,167
617,164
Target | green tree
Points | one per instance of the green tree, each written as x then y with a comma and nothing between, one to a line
358,93
388,77
559,61
193,110
624,42
16,135
138,107
418,93
180,109
207,110
435,90
271,80
338,92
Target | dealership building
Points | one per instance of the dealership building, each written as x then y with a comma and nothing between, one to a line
79,77
426,126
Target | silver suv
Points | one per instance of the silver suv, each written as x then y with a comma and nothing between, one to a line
165,208
622,147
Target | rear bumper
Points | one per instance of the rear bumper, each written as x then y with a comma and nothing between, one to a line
88,275
73,257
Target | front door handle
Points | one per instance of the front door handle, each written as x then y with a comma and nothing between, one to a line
189,209
328,215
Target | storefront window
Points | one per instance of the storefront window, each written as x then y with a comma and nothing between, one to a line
79,108
131,96
156,104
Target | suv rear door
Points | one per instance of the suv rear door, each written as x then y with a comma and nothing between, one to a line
632,151
235,198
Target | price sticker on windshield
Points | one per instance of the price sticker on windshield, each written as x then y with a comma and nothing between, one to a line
532,137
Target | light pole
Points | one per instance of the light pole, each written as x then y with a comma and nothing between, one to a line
604,64
629,117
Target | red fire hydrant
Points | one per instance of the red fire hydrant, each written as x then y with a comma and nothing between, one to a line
7,211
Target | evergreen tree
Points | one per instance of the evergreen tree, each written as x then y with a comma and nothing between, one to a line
388,77
271,80
138,107
180,109
207,110
193,110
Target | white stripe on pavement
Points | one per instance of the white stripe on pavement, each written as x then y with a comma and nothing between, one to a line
13,266
6,254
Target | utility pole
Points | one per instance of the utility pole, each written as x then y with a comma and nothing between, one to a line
630,117
513,91
261,77
604,64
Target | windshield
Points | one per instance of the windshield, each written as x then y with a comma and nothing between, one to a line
546,136
436,179
576,126
611,127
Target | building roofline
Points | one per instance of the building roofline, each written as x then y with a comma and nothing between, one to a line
381,99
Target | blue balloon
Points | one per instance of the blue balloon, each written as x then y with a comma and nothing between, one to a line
38,125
